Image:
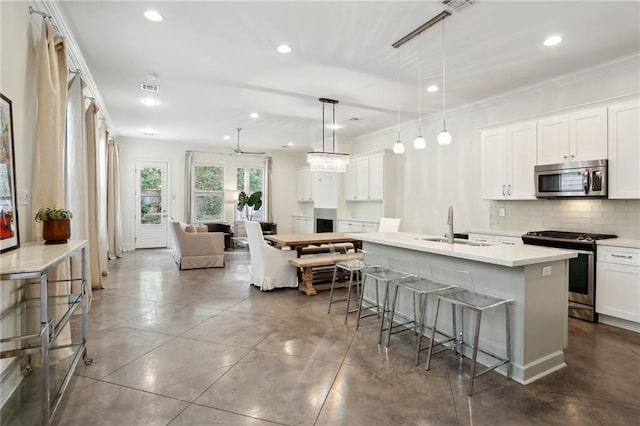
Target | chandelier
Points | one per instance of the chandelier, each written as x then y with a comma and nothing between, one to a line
328,161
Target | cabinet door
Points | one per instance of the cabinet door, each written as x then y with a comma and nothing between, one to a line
494,154
362,178
588,134
376,176
350,182
624,150
553,140
482,238
295,225
308,186
308,225
618,292
521,185
369,227
343,226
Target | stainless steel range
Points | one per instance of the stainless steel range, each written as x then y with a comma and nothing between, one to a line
582,270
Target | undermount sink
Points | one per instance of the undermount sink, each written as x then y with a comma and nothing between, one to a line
456,241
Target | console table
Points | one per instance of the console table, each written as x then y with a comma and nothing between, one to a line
33,261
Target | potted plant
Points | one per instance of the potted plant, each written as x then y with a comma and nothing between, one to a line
56,224
250,204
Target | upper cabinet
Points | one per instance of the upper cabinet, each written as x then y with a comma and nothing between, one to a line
364,180
304,184
624,150
508,157
578,136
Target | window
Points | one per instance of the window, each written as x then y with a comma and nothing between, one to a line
150,196
250,180
208,193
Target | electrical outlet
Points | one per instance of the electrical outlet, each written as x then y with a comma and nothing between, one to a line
502,212
546,271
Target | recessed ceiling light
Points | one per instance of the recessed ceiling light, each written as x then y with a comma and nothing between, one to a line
254,115
150,101
226,137
290,144
552,40
153,16
432,88
283,48
334,126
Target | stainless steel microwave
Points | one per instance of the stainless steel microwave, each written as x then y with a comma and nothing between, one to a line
579,179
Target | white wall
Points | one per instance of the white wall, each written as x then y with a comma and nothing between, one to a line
139,149
18,31
429,181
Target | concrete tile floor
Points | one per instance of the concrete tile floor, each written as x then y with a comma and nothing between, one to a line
203,347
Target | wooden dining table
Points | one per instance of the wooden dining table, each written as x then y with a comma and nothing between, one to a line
313,269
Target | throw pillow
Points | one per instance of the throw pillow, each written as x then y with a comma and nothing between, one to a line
190,228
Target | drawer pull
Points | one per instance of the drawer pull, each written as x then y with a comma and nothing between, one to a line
509,243
622,256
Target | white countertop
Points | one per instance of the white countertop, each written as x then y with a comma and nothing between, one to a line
32,257
619,242
497,232
510,256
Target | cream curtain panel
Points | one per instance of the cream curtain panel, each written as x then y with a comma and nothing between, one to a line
267,187
76,174
188,166
48,182
114,215
91,121
103,239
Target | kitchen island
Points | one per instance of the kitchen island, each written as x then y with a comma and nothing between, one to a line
535,278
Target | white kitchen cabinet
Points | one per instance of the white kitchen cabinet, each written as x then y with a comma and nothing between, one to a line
624,150
578,136
508,156
505,240
364,180
304,184
618,282
353,225
376,176
302,225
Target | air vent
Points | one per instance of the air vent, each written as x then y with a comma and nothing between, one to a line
456,5
149,87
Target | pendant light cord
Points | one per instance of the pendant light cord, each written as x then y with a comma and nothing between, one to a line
444,83
323,127
419,86
334,128
398,92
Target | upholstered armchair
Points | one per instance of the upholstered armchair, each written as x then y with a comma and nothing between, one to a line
270,266
196,249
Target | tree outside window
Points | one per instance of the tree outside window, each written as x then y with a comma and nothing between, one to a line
250,180
150,196
208,193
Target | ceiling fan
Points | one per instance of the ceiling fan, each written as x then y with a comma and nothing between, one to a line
238,151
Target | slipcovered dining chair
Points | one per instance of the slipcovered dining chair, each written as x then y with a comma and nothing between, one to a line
389,224
270,266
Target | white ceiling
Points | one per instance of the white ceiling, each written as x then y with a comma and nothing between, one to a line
217,61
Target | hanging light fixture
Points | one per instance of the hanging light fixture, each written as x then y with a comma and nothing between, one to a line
328,161
444,138
398,147
419,142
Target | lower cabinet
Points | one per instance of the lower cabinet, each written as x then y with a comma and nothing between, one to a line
357,226
618,282
302,225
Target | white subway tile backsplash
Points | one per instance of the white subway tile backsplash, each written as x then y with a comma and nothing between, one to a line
620,217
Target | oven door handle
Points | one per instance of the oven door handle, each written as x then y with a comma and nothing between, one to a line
588,253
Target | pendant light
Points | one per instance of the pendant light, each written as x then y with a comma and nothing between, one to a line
419,142
328,161
444,138
398,147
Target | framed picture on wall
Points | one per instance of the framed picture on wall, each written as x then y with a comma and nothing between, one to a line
8,198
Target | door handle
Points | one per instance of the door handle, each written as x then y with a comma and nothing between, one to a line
508,189
503,187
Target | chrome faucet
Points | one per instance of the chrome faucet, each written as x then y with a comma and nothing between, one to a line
450,223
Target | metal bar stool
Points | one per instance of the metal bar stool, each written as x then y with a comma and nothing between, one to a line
420,289
354,268
467,299
385,275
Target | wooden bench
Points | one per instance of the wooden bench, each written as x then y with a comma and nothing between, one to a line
308,263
